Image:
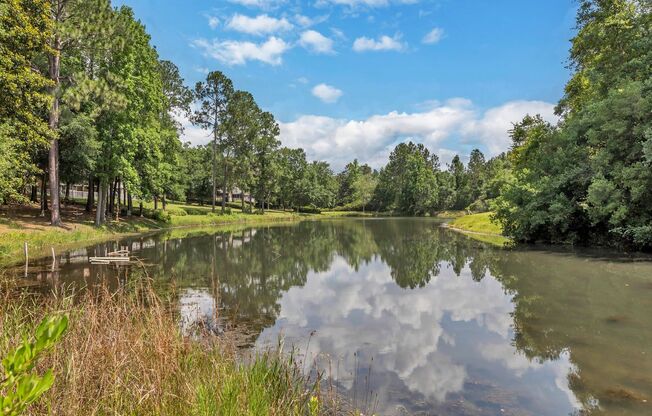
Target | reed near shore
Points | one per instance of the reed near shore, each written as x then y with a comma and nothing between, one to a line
125,353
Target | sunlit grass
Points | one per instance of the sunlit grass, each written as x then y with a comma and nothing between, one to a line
40,238
125,354
478,223
482,228
40,241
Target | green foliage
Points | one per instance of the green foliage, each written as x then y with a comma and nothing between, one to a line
20,386
363,189
158,215
79,147
346,182
587,180
309,210
408,184
25,27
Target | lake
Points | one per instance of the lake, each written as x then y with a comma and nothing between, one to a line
407,317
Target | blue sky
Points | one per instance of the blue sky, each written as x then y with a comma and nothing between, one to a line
352,78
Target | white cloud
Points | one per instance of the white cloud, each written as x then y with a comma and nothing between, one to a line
263,4
491,129
338,33
434,36
191,133
213,22
363,3
371,140
259,25
326,93
302,20
384,43
232,52
316,42
306,21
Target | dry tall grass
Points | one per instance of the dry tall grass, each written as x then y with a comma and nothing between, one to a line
124,354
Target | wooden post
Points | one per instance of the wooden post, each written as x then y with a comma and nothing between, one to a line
26,258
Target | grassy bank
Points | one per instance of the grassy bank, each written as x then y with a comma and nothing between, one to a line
24,225
480,227
477,223
125,354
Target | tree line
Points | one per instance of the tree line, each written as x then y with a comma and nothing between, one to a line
588,178
584,180
84,97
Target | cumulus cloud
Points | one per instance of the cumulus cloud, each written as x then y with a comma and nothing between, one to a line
434,36
372,139
191,133
306,21
232,52
443,127
213,22
326,93
259,25
491,129
363,3
384,43
316,42
263,4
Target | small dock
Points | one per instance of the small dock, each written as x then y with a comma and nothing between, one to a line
115,257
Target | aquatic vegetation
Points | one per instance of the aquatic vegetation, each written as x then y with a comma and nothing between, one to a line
124,353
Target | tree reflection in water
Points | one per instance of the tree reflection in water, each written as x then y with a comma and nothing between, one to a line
452,325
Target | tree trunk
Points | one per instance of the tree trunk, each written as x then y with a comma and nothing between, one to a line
90,198
34,196
224,189
164,202
44,197
100,207
67,197
112,195
141,208
130,204
242,200
214,174
109,200
117,211
155,203
105,199
54,68
263,206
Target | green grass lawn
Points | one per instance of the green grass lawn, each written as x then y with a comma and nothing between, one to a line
477,223
23,225
480,227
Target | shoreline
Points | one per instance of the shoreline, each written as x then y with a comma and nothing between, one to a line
41,241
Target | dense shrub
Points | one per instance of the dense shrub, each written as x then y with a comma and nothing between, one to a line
158,215
309,210
177,211
196,211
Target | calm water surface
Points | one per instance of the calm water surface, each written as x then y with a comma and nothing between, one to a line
411,317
